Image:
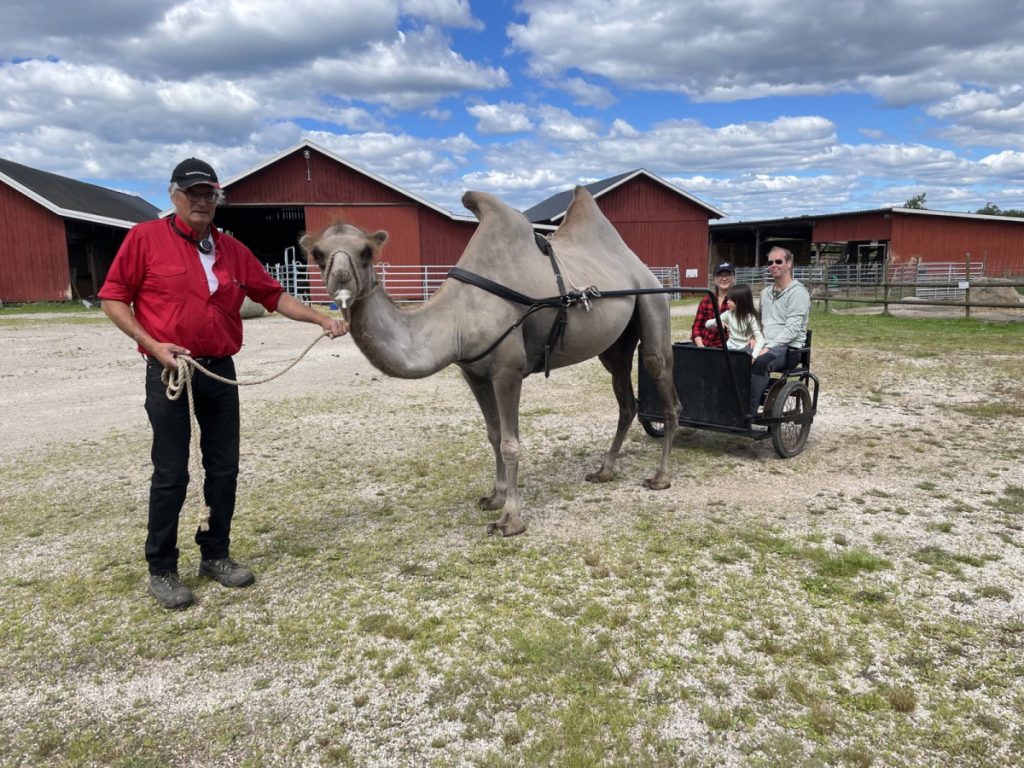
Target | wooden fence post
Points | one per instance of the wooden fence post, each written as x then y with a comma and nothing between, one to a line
885,287
967,292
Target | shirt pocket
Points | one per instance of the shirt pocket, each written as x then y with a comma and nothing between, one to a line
169,279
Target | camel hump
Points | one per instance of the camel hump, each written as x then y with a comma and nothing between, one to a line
584,216
484,205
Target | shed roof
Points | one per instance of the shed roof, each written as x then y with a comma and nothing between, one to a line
811,218
79,200
555,206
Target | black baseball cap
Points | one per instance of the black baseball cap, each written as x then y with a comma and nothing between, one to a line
194,171
725,266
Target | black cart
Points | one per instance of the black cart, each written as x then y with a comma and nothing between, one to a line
714,391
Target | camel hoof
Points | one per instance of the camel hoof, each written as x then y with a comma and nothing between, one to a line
505,529
657,485
601,476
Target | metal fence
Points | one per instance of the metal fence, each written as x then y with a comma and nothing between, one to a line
934,280
404,283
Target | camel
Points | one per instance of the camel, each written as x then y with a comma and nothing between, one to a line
463,324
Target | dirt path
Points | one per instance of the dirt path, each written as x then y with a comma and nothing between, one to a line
60,380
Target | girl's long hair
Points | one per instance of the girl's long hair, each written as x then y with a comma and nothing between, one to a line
742,300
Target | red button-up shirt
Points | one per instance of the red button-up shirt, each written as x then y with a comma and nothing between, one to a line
159,273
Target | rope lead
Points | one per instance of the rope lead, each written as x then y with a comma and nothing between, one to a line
178,380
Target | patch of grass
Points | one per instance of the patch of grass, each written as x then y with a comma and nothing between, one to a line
991,409
848,563
51,307
939,559
902,699
995,592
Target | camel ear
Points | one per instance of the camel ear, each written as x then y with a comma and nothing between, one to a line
306,243
378,238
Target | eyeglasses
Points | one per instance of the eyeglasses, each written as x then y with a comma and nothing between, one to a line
195,196
776,261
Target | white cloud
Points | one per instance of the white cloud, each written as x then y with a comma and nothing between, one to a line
448,13
413,71
740,50
561,125
1006,163
586,94
501,118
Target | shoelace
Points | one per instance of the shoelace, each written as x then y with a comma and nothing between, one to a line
170,580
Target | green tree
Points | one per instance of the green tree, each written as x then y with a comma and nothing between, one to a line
917,201
991,209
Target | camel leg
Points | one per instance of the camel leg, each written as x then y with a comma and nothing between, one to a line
618,360
508,387
656,353
484,394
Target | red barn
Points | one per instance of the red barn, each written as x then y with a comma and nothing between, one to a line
58,236
662,224
897,235
307,187
905,234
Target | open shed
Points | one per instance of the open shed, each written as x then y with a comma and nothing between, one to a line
59,236
894,235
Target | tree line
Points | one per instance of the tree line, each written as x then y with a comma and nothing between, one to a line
989,209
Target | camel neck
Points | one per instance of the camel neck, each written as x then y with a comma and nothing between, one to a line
404,343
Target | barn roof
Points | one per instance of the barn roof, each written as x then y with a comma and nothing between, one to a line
79,200
555,206
342,161
811,218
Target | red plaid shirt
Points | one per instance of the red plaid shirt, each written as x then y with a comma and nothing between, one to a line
705,312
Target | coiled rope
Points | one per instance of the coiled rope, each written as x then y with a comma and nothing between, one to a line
178,380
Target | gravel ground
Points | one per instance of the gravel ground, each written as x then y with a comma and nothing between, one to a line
895,465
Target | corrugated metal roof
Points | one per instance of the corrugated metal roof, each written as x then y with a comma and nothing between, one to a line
73,199
811,218
555,206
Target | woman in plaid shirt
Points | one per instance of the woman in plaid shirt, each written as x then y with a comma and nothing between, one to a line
725,278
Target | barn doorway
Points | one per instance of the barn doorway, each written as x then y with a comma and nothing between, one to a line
267,231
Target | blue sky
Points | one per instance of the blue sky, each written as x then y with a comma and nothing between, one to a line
761,108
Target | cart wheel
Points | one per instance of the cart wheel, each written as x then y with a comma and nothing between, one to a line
653,428
790,437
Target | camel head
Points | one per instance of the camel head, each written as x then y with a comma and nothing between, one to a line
345,254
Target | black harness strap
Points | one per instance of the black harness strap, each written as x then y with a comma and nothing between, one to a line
562,319
492,287
561,302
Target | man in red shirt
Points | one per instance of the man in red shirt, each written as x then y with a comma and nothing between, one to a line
176,287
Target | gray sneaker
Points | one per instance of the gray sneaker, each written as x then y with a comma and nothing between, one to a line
169,591
226,572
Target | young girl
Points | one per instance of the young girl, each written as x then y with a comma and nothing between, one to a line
741,321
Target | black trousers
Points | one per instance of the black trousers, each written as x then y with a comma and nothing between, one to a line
217,412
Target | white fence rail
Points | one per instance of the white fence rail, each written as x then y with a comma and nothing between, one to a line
403,283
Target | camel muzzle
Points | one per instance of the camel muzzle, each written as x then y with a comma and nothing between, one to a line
343,296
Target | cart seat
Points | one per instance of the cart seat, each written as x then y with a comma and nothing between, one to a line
798,359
